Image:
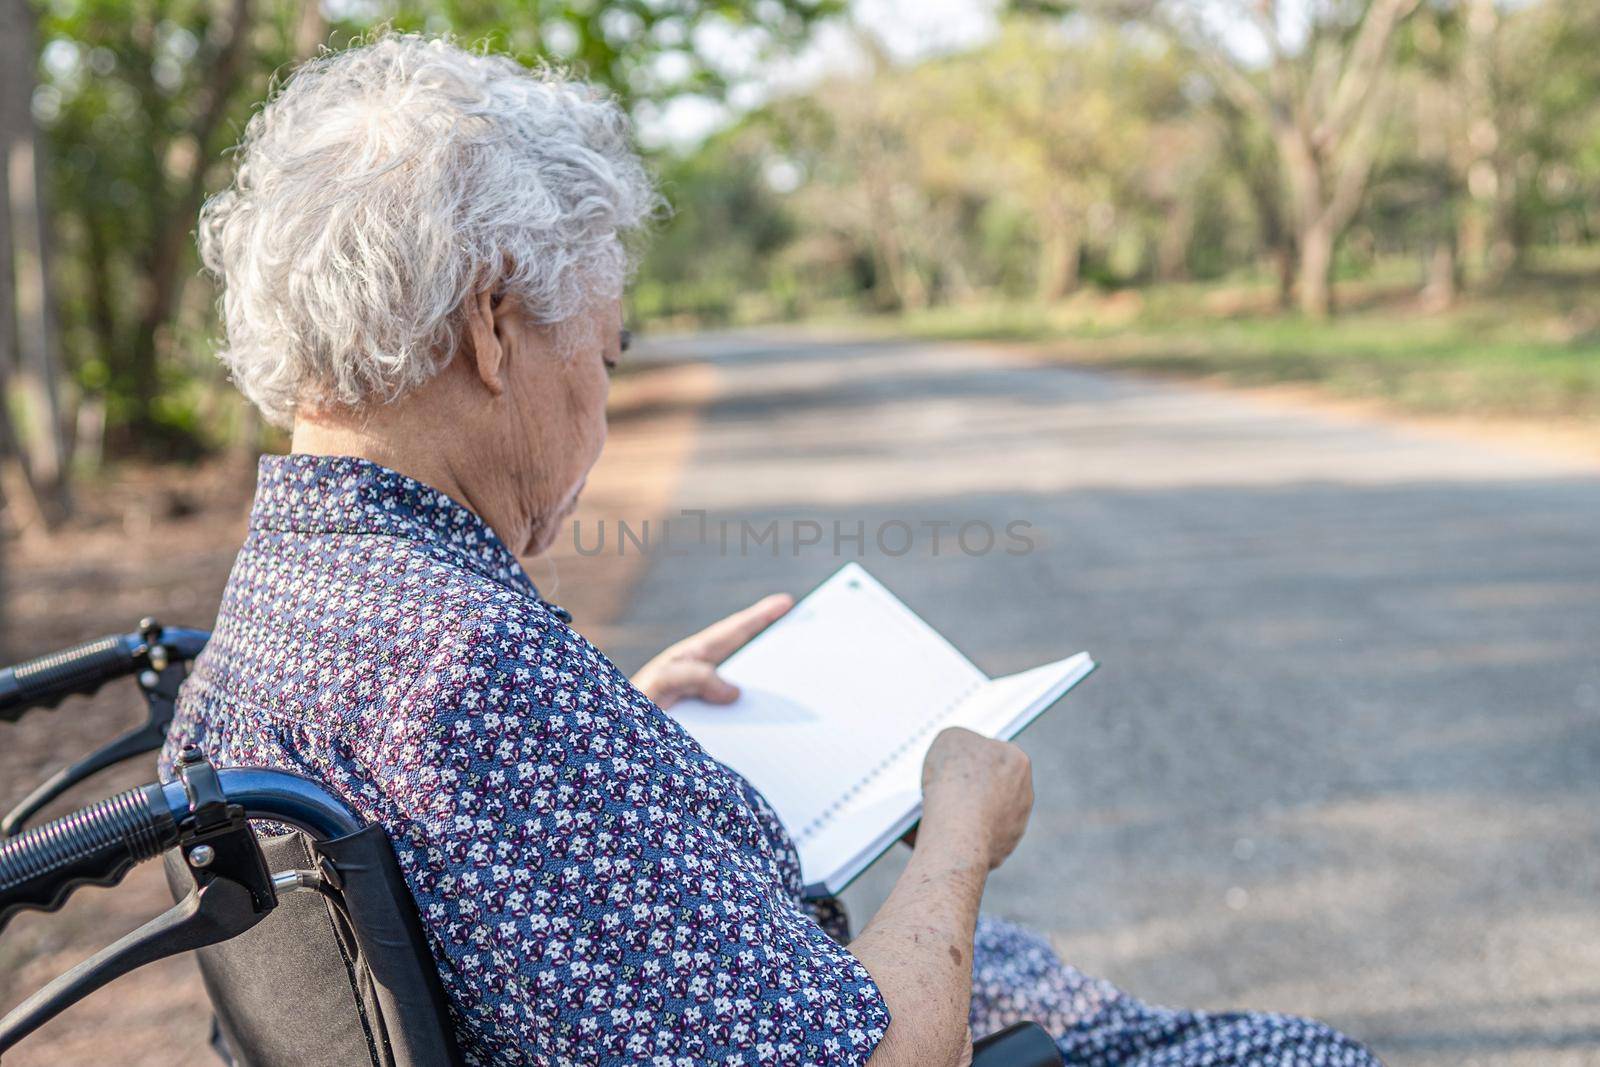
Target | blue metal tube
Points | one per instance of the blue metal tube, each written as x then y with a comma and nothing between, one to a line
184,643
280,796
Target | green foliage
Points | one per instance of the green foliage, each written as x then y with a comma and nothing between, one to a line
1067,153
1071,152
720,242
641,49
140,100
1051,154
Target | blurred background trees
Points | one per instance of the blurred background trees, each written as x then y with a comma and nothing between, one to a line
1128,143
127,108
1291,150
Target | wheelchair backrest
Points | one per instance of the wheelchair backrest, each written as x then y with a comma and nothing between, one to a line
298,988
309,942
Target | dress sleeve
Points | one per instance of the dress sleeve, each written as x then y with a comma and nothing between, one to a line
595,887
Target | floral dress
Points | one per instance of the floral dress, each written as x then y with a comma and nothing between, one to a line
594,887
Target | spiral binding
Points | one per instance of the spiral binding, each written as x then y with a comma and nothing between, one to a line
827,815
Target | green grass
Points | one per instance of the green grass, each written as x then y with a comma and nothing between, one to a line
1530,348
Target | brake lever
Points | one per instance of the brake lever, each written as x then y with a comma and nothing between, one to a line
233,891
208,914
160,689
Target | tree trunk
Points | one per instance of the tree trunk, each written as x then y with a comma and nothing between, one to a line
1323,122
102,312
311,30
1283,253
1060,253
25,510
1316,271
166,275
27,327
1172,249
1443,276
899,287
1486,233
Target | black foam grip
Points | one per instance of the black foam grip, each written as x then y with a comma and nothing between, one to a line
81,669
96,845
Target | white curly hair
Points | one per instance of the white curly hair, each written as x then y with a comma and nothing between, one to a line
382,186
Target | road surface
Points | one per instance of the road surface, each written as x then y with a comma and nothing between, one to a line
1343,755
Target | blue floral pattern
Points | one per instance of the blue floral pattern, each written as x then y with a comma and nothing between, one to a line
595,888
1017,976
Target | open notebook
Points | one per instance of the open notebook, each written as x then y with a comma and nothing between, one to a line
839,702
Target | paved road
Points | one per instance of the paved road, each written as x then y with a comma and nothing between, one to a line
1343,756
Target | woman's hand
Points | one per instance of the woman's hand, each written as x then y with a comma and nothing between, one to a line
689,668
976,790
976,796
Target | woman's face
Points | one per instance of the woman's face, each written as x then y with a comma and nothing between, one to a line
557,383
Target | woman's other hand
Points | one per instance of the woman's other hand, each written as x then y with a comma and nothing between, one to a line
976,790
689,668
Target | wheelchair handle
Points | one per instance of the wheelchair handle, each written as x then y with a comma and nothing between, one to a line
80,669
46,681
97,845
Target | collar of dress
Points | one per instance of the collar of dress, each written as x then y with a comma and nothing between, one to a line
346,495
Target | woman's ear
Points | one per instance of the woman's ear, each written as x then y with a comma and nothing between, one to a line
486,345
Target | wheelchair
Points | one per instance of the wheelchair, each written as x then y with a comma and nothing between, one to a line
308,942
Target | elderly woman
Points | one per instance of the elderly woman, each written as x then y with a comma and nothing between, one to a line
422,257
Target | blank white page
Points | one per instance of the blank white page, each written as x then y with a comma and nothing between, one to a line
828,693
874,818
1002,707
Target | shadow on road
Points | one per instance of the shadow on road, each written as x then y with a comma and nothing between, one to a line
1340,755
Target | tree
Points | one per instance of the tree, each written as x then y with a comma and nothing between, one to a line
1247,151
1066,131
854,141
1539,175
727,223
1080,131
35,459
140,101
1486,228
1322,93
646,51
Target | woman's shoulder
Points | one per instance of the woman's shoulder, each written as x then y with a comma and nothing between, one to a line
341,628
503,653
